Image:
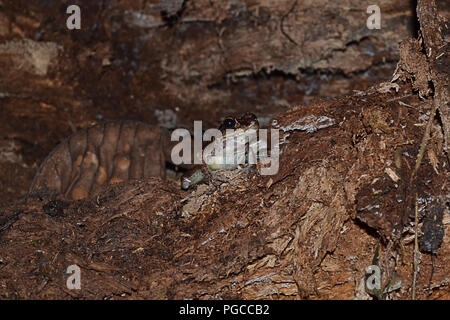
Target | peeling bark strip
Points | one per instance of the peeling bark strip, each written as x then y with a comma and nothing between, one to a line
435,33
112,152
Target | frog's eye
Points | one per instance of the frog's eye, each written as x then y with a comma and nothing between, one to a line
229,123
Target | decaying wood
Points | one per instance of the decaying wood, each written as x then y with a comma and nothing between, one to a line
248,38
435,32
425,62
262,238
111,152
295,234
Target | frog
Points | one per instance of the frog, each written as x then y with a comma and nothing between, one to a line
233,130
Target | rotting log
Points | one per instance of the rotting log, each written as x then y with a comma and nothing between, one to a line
269,237
262,238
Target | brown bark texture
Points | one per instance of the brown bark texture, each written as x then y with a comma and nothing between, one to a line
363,175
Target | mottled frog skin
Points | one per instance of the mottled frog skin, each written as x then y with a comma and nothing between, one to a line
223,161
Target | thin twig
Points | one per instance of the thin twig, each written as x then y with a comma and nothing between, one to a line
433,256
397,98
416,252
425,138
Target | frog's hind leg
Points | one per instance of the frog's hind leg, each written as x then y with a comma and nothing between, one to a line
214,176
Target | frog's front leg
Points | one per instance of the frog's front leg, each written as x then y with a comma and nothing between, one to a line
193,177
